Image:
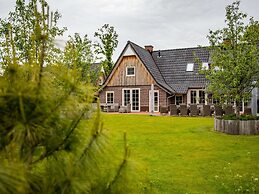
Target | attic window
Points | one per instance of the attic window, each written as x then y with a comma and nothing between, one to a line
189,67
205,66
130,71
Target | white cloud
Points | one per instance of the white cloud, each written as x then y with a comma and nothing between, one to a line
163,23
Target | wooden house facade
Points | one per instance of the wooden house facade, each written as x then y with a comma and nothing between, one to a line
146,79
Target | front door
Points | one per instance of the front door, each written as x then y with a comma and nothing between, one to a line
156,101
132,97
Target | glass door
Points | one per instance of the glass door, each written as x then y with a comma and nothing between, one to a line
156,101
135,100
126,97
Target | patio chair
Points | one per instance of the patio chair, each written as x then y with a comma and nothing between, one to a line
128,108
194,111
247,111
173,109
183,110
163,110
206,111
218,111
228,110
110,108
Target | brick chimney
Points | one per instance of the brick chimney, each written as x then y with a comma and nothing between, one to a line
149,48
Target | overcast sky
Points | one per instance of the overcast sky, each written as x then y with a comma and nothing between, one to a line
165,24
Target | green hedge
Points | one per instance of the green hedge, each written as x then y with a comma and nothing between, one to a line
241,117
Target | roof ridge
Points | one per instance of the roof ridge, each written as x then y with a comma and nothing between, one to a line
185,48
150,54
160,71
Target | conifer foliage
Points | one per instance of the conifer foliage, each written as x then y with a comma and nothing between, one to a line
44,146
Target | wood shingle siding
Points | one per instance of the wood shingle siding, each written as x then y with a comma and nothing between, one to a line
142,77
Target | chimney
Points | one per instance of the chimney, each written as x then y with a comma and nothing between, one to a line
226,41
149,48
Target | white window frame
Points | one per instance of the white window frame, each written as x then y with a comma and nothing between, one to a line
190,67
123,97
199,99
189,99
127,71
158,103
196,96
100,81
205,65
157,100
109,92
175,99
130,89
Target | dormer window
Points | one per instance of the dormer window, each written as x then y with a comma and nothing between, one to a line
130,71
189,66
205,66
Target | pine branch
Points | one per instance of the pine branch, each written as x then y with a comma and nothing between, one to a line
73,127
96,133
121,167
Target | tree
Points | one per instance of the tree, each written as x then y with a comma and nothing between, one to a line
234,70
78,55
108,42
30,28
51,140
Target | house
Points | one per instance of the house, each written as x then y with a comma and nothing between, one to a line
173,73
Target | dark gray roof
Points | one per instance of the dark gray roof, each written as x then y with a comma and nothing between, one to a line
169,69
147,59
172,65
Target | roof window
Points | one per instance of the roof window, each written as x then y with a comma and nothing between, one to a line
205,66
189,66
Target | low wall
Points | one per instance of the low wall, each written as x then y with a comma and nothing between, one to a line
236,127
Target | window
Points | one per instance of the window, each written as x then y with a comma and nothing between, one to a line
209,98
178,100
156,101
193,97
135,100
100,81
130,71
216,68
109,97
189,67
215,101
131,96
201,97
126,96
205,66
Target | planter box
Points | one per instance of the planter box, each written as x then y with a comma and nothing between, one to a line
236,127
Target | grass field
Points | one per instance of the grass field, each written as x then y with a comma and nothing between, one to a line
185,155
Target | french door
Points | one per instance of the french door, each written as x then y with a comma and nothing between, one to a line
132,97
155,101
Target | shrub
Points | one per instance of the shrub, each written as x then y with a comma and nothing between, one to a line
241,117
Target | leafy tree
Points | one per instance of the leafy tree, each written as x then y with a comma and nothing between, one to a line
234,70
108,42
30,27
78,55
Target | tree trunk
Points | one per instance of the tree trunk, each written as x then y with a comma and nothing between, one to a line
237,109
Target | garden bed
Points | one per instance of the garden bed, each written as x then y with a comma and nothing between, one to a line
237,127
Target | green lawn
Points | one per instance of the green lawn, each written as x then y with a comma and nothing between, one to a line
185,155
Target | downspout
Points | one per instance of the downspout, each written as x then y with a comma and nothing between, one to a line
169,97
